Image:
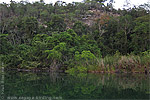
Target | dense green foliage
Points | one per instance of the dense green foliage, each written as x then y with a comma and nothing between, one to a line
65,36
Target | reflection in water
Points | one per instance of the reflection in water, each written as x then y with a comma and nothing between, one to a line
80,86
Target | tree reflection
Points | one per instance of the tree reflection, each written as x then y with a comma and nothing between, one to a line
79,86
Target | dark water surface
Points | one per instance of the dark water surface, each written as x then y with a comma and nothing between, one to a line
60,86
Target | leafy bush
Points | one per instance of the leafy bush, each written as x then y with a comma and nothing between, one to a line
86,57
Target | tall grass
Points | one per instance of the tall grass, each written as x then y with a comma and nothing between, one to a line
122,63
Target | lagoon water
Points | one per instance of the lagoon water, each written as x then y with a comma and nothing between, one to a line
60,86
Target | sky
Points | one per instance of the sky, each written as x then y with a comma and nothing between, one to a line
117,4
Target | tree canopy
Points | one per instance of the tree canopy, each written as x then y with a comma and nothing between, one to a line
41,35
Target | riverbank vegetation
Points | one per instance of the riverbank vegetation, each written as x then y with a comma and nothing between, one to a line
75,37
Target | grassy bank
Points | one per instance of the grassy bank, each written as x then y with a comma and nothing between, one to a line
116,64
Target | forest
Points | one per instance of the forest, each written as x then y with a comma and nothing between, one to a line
74,37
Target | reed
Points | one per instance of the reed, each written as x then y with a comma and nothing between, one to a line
122,63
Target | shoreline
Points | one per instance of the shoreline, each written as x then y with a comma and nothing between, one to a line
62,71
